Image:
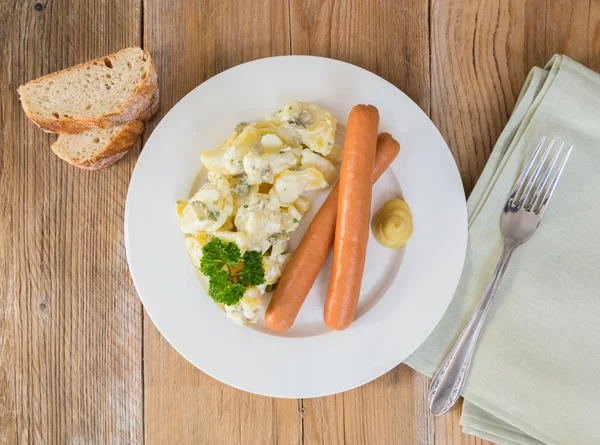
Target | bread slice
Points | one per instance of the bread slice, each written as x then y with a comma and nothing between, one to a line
111,90
97,148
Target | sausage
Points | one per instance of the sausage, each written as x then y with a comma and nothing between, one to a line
354,214
310,255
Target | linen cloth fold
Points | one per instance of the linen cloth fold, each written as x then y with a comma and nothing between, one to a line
535,376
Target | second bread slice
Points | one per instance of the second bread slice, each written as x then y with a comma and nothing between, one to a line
98,148
111,90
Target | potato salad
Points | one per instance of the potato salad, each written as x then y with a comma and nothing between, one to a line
254,198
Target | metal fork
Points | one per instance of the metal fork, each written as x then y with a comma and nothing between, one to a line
522,215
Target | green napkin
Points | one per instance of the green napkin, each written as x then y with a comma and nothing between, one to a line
535,376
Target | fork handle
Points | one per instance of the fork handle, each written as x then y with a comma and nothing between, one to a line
448,382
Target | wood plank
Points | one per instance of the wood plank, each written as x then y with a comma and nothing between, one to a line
391,39
8,339
391,409
70,321
189,44
567,29
594,35
481,54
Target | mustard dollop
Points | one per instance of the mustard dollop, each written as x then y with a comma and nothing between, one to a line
392,225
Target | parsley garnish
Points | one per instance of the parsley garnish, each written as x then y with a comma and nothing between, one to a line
213,215
219,256
253,273
228,278
225,291
289,108
295,221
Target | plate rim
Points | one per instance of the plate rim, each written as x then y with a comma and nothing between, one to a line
128,210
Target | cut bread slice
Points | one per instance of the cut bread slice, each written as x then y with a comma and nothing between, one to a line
111,90
97,148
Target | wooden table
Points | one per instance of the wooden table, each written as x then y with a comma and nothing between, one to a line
80,361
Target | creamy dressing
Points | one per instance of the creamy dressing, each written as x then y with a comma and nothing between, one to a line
249,191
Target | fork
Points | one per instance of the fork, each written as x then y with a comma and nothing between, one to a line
520,218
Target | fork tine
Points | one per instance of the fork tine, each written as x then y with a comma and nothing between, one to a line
550,191
535,175
521,179
545,178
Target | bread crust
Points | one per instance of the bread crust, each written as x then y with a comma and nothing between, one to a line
114,151
152,107
140,106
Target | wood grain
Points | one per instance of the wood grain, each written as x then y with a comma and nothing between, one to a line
389,38
72,367
594,36
481,54
567,29
70,327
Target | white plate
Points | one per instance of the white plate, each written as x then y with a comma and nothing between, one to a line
405,293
